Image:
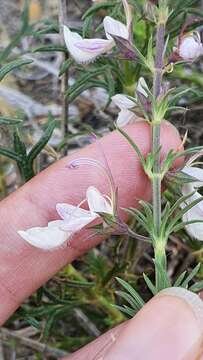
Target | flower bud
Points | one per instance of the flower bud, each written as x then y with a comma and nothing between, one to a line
190,47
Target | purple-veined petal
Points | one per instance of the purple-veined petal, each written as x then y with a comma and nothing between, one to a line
115,27
85,50
96,46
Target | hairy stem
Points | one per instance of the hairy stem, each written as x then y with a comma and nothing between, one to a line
62,4
159,250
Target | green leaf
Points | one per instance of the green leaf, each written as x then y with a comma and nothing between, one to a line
49,48
132,143
182,225
72,95
24,29
87,27
191,276
128,298
84,80
139,301
32,321
180,214
180,278
126,310
13,65
10,154
19,146
139,217
150,285
197,286
34,152
97,7
65,66
10,121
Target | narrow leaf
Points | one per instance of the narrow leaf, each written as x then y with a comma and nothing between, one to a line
180,278
13,65
140,302
150,285
10,154
34,152
191,276
9,121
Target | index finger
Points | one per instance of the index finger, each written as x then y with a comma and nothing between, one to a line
24,268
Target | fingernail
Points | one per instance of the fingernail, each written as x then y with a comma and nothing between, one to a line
196,304
192,299
170,326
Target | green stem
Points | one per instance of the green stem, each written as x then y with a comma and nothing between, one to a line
63,20
159,243
130,83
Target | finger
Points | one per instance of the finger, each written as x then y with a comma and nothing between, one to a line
24,268
170,326
97,348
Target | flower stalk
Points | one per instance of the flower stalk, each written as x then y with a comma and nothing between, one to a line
158,242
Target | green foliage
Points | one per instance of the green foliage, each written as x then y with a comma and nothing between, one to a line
19,153
15,64
10,121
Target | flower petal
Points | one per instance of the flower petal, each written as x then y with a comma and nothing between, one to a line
46,238
128,13
97,202
94,46
115,27
195,213
85,50
141,86
74,217
125,117
196,173
190,48
123,102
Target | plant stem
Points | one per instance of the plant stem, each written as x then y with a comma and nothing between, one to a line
159,243
63,4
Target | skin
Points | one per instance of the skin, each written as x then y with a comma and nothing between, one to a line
24,268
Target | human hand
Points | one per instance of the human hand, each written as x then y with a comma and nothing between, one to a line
24,268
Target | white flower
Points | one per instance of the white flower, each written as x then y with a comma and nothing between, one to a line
115,28
142,86
85,50
196,212
190,47
58,232
97,202
45,238
74,218
126,105
77,218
